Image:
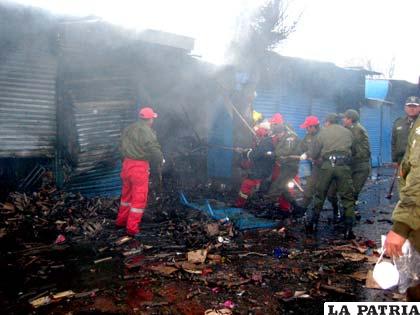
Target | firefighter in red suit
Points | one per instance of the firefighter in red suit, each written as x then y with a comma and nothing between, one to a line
140,150
261,159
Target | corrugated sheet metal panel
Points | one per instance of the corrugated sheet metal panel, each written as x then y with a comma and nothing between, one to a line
294,110
370,118
386,134
103,181
322,107
27,104
376,89
219,161
266,102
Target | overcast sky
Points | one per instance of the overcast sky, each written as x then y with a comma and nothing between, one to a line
345,32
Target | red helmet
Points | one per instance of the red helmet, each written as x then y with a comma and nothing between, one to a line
147,113
277,119
310,121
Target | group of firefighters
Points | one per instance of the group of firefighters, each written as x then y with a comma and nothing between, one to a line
340,160
339,155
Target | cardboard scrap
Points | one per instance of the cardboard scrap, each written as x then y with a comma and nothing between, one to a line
370,282
163,269
197,256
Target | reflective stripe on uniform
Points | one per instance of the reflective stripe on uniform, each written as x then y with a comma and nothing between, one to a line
136,210
243,195
125,203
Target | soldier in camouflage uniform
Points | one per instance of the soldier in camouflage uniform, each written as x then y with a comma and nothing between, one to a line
402,127
333,146
406,215
360,163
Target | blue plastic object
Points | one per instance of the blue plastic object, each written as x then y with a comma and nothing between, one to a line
242,219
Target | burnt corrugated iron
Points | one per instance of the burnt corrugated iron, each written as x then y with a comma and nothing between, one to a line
97,103
27,104
91,130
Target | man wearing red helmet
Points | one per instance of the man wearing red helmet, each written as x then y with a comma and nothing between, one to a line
286,165
311,124
140,150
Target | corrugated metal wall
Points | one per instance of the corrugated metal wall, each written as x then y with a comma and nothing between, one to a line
266,102
322,107
386,134
294,109
371,119
27,104
219,160
97,103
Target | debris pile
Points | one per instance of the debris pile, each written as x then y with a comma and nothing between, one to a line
61,253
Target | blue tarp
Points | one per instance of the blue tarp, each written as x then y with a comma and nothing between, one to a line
242,219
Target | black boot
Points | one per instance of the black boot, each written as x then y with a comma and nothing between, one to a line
312,226
336,214
298,211
348,233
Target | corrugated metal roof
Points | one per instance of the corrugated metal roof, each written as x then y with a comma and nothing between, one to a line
27,104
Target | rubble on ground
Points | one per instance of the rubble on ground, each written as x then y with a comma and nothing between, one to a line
61,253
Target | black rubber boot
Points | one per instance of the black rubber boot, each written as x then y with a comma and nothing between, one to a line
336,215
298,211
312,226
348,233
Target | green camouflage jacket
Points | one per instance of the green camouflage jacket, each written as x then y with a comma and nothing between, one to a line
139,142
287,149
406,215
361,147
307,142
400,131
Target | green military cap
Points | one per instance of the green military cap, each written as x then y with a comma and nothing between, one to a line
332,118
413,100
352,114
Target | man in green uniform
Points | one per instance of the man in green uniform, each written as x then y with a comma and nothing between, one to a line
311,124
333,146
402,127
406,215
360,163
287,158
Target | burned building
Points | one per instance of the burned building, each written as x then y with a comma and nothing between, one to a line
71,85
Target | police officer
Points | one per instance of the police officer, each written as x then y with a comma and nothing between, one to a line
360,162
406,215
140,150
333,146
402,127
286,153
311,124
